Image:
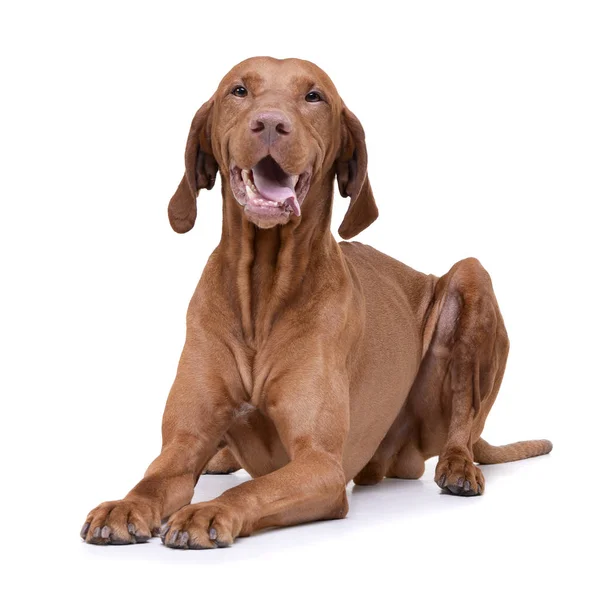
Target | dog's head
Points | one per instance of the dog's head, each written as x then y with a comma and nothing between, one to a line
273,129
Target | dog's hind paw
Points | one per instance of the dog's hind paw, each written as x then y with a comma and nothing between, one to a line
456,474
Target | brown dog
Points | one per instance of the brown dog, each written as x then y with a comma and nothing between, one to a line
314,362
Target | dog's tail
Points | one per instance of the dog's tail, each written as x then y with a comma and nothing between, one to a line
486,454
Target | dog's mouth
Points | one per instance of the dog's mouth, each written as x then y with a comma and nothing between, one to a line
266,190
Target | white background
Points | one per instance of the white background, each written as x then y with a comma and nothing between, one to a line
483,131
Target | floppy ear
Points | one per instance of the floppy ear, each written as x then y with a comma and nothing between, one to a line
353,180
200,171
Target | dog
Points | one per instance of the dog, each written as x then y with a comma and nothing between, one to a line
307,362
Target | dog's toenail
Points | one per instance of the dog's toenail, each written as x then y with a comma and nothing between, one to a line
460,482
442,481
105,533
467,486
131,528
212,534
84,530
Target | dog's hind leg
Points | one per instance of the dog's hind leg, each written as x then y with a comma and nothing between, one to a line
453,393
222,463
398,455
471,340
408,463
456,385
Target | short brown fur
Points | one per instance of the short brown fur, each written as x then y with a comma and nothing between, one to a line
307,362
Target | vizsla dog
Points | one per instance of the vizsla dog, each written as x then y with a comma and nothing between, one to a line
307,362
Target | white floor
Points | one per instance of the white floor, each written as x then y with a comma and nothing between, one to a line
525,537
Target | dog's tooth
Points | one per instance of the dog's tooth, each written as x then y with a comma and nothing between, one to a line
295,179
294,205
248,181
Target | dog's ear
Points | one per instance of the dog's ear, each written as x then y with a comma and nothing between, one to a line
200,171
353,180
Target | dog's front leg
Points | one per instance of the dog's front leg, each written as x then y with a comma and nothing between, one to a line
199,410
312,422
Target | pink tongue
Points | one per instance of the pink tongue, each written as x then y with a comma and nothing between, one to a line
273,184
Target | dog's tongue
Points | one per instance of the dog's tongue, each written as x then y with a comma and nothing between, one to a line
273,183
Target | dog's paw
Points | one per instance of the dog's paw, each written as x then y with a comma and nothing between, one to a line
203,525
121,522
456,474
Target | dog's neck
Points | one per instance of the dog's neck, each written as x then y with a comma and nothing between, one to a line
266,270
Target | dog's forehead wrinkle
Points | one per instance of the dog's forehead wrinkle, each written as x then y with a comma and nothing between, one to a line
272,72
252,79
282,84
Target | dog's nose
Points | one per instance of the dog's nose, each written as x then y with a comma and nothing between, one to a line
271,125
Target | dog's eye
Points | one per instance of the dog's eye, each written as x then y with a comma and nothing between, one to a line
240,91
313,97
